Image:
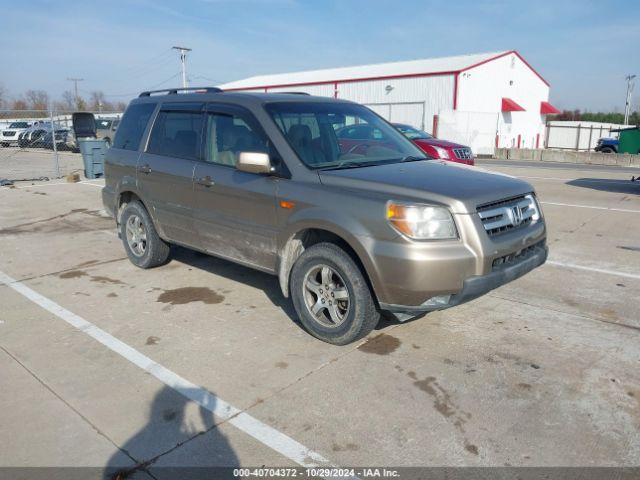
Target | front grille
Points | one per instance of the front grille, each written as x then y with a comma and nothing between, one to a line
463,153
506,260
8,133
509,214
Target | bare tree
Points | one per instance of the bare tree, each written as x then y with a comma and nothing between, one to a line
37,99
3,96
68,100
99,102
19,104
121,106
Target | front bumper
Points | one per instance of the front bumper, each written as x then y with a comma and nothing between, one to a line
476,286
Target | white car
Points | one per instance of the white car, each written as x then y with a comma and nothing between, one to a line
9,135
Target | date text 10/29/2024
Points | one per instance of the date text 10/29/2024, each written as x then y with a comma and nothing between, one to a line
313,473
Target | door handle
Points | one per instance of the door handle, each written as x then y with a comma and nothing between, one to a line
144,169
205,181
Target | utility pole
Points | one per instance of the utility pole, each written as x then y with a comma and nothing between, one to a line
75,86
183,60
627,105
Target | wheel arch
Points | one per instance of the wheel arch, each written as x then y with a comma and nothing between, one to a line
306,236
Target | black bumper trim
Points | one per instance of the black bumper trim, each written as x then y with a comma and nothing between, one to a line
474,287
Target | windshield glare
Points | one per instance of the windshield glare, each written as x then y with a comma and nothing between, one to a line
340,135
412,133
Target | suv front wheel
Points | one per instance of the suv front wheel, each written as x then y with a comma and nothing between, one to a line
331,296
142,243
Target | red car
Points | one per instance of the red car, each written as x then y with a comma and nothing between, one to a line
435,147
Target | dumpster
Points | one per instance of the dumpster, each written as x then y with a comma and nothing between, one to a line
629,140
93,151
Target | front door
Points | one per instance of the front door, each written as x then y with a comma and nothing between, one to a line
165,170
235,212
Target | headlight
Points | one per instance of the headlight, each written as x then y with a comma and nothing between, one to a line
421,222
442,153
535,206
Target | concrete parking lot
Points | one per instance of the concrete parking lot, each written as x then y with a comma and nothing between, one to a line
202,363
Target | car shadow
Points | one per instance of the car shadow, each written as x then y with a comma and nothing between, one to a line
267,283
607,185
238,273
181,439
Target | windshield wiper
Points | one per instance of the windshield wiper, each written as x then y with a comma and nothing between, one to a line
349,165
413,158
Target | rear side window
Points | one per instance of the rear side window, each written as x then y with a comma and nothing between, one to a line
176,134
133,125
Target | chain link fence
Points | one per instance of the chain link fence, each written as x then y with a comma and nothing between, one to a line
41,145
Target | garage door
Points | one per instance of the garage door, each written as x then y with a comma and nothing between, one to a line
410,113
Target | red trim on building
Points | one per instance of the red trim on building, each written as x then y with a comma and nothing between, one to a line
497,140
547,109
434,127
504,55
455,90
537,140
519,140
335,90
509,105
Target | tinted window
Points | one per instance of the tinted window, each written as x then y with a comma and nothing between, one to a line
176,134
227,136
19,125
133,125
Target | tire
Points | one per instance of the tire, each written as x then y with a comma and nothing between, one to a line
107,142
345,321
607,150
149,252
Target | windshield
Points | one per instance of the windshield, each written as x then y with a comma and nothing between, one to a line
340,135
19,125
412,133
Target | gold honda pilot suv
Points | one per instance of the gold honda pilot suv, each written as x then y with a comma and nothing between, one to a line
350,227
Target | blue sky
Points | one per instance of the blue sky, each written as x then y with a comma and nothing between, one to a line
583,48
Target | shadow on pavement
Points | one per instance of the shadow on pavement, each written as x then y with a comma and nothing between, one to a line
180,440
607,185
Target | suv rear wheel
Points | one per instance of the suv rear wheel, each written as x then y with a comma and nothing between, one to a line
331,296
142,243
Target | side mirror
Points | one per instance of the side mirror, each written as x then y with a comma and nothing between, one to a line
254,162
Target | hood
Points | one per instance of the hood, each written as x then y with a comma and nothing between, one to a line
437,143
460,187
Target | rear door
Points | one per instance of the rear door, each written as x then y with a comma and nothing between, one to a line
235,212
165,169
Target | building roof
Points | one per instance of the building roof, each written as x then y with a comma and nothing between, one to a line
428,66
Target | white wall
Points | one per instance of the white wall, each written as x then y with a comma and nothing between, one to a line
482,88
583,135
434,92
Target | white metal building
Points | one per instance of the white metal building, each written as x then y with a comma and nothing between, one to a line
482,100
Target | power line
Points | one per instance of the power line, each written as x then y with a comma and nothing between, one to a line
147,88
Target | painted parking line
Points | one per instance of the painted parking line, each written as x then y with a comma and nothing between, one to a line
51,184
594,207
262,432
593,269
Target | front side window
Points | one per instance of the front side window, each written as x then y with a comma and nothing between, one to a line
340,135
228,135
176,134
133,126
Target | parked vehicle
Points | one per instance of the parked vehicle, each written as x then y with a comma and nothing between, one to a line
607,145
65,140
33,136
436,148
106,129
10,134
349,228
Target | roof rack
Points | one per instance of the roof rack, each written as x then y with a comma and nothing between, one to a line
174,91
